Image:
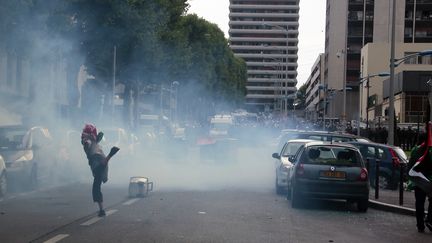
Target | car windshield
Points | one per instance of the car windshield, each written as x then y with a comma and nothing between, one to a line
11,138
221,126
331,155
291,149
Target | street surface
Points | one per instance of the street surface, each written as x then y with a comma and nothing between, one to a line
193,202
193,216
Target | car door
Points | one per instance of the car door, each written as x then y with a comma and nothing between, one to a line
278,162
295,160
370,155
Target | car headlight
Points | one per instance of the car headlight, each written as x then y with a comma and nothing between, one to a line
284,168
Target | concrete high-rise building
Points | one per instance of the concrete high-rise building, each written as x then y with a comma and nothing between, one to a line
352,24
315,90
265,34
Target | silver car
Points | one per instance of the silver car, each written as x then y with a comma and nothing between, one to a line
331,171
3,181
284,162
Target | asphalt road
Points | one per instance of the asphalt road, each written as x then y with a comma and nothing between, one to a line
67,214
194,200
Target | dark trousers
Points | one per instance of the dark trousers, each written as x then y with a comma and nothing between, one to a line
97,182
420,199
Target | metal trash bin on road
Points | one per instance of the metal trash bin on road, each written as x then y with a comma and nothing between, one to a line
139,186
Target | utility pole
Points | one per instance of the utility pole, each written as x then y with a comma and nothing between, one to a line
391,111
113,81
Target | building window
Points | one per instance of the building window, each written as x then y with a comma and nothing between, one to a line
424,60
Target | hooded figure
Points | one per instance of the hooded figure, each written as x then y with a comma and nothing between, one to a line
420,173
97,160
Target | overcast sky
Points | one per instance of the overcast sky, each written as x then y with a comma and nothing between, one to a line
311,36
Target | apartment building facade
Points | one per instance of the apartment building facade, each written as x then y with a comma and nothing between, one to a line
315,90
410,88
352,24
265,34
31,89
413,34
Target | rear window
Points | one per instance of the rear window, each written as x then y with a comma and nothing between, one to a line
331,155
316,137
339,139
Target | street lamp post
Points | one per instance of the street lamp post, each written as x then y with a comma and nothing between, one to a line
113,81
284,89
173,115
277,82
361,80
392,70
323,87
344,54
429,83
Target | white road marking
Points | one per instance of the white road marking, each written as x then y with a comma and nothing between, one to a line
97,218
202,212
56,238
131,201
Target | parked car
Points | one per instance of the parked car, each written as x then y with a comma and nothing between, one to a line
71,159
28,154
317,135
390,157
3,181
330,171
284,162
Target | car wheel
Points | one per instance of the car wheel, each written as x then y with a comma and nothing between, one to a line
33,180
288,195
362,205
3,184
279,189
295,198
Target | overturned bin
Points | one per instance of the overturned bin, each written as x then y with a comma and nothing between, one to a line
139,186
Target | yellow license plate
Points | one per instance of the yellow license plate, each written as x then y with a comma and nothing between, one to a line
333,174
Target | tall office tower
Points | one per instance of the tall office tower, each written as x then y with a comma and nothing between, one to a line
350,25
265,34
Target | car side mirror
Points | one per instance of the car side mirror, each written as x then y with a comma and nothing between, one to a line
276,155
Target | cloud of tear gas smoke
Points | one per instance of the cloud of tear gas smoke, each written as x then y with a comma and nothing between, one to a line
46,89
178,167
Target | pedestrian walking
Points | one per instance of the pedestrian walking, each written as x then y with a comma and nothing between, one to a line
420,173
98,162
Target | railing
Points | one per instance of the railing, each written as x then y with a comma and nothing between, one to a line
401,180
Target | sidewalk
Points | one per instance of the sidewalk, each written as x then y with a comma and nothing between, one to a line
388,200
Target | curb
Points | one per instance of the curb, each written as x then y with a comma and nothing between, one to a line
391,208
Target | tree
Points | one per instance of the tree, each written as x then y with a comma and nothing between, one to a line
156,43
301,96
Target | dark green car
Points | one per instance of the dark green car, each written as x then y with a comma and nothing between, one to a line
330,171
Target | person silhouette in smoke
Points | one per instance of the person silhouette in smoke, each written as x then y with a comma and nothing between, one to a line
97,160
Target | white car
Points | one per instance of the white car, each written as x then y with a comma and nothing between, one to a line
3,182
284,162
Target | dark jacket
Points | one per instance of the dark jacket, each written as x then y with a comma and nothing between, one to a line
426,166
96,157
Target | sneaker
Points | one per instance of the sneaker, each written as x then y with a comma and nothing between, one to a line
101,213
429,225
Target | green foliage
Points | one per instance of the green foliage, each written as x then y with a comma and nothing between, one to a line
301,96
156,42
